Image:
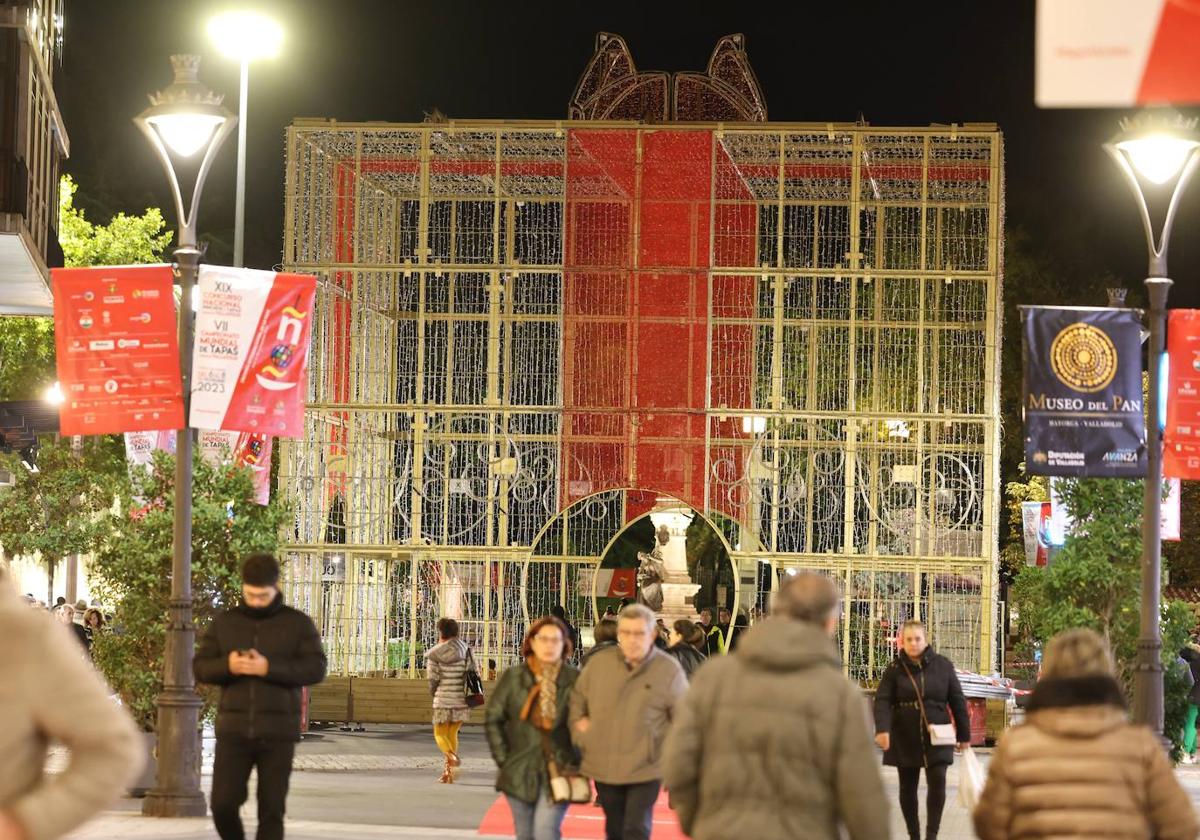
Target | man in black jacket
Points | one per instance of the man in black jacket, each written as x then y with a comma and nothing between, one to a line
260,653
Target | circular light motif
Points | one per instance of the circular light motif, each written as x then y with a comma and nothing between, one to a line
1083,358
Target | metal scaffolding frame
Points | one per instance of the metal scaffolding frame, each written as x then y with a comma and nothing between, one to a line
523,326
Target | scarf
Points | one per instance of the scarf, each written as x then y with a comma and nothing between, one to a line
541,704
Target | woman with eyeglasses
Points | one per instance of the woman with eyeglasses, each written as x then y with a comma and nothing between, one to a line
526,724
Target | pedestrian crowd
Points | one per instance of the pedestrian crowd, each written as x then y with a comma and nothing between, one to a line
771,741
775,742
85,622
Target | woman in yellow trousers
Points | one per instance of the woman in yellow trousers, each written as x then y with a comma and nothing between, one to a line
446,665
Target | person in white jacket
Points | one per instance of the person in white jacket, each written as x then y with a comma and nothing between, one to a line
49,692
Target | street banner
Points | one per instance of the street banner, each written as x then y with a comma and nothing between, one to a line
1035,521
117,350
141,446
1181,431
245,449
1117,53
249,368
1082,396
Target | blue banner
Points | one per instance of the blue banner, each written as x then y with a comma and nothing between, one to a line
1082,399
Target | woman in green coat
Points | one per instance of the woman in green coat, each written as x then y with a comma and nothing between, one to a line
527,731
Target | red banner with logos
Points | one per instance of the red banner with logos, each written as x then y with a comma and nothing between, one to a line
251,354
117,350
1181,435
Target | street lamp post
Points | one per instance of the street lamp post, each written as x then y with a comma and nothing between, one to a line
186,118
1164,152
244,36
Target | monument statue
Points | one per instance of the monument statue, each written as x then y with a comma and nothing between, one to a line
652,571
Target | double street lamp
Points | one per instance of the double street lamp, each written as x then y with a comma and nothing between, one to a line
1161,152
184,121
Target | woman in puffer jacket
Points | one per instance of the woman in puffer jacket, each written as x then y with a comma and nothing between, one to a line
1078,767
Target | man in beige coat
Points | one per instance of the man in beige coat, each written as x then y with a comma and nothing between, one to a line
48,690
621,707
773,742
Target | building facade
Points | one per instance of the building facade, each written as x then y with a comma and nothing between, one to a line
33,143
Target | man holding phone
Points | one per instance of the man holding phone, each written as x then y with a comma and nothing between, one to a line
261,653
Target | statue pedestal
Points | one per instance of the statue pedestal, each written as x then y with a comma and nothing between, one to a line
678,590
678,600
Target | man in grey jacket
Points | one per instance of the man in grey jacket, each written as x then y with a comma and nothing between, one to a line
772,742
50,691
621,708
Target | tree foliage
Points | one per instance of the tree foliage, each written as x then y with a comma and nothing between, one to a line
125,240
26,357
132,569
709,565
62,508
1095,581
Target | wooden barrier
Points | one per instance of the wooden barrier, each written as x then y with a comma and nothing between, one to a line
329,701
377,700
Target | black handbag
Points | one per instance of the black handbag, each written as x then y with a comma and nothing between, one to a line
473,687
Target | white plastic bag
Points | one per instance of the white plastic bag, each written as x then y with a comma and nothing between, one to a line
971,777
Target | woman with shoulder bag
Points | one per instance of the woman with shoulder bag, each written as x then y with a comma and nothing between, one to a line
913,702
447,665
526,725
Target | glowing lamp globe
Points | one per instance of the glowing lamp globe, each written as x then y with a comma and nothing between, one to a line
1158,157
246,35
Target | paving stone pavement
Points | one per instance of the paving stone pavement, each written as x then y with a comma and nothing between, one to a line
351,762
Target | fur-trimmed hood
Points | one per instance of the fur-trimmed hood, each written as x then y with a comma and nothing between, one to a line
1055,693
1080,707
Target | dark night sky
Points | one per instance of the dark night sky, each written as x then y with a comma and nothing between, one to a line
376,60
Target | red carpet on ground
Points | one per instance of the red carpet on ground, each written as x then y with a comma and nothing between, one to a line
583,822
